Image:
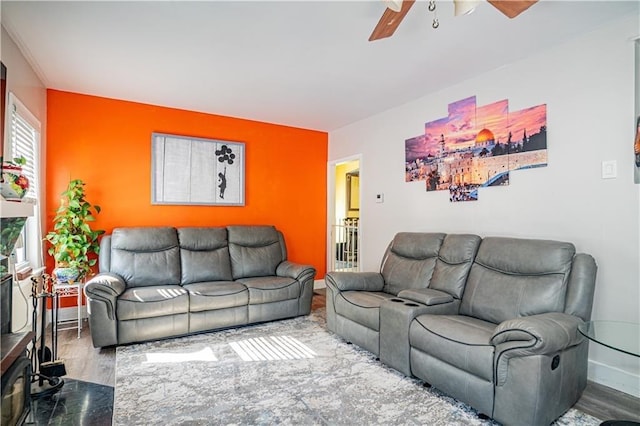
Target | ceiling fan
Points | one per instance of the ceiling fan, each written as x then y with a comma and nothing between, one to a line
397,9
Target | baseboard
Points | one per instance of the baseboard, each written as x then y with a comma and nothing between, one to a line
318,284
615,378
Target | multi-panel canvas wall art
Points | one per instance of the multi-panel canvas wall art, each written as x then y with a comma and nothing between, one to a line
476,146
187,170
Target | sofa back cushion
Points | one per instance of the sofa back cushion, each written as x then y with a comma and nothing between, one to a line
410,260
204,255
146,256
256,251
512,278
454,262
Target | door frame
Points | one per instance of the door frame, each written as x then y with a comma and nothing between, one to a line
331,203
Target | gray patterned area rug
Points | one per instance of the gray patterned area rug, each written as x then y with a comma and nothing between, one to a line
291,372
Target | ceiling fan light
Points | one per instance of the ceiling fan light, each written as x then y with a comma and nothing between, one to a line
464,7
394,5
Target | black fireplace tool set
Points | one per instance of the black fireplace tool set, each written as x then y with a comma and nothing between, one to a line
47,368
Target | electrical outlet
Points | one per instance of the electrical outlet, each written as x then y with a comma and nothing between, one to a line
379,198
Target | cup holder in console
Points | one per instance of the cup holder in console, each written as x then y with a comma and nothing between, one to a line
404,302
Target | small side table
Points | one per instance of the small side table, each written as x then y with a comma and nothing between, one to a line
617,335
69,289
620,336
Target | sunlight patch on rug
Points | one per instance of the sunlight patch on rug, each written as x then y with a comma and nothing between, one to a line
272,349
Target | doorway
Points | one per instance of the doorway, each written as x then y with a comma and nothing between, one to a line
344,213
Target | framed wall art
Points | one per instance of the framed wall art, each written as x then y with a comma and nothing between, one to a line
636,142
636,151
3,106
477,146
353,191
189,170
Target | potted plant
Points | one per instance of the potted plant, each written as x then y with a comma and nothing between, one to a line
72,239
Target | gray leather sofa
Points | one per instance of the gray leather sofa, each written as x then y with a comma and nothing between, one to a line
492,322
159,282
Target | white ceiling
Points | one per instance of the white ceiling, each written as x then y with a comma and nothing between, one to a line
299,63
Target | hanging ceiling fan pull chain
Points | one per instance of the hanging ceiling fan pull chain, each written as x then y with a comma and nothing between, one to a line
432,8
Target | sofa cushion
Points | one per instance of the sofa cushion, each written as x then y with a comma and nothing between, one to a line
152,301
204,255
455,258
204,296
271,289
146,256
512,277
460,341
410,260
256,251
362,307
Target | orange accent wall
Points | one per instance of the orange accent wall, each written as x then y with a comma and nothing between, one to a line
107,143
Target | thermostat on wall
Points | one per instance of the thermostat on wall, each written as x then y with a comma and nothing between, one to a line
609,169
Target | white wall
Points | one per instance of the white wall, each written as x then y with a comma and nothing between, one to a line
588,86
25,84
29,89
23,81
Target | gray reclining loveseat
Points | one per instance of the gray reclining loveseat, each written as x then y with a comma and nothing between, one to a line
492,322
159,282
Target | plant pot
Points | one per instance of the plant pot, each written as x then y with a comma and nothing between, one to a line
66,274
14,184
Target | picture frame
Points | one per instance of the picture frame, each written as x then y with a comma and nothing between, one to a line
636,153
3,107
476,146
353,191
197,171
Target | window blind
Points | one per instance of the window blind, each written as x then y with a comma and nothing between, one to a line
24,131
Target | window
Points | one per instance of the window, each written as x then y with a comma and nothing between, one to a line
24,141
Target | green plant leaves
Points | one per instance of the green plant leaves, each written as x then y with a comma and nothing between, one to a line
72,239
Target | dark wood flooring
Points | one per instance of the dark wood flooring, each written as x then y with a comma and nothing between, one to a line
86,363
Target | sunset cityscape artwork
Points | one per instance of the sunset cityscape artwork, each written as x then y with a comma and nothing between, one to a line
476,146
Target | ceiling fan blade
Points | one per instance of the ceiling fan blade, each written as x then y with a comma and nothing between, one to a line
512,8
390,20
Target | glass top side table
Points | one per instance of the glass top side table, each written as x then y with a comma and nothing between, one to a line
617,335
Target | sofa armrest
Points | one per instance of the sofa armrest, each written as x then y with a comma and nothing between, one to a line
105,284
296,271
543,334
363,281
106,287
102,293
304,274
426,296
540,334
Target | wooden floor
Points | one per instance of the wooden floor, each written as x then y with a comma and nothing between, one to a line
86,363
